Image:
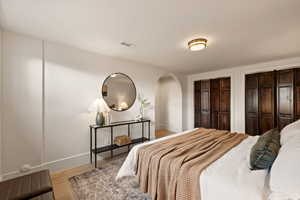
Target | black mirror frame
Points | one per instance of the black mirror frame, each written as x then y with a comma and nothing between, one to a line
120,73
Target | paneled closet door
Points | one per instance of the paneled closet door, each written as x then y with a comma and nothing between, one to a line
252,122
215,103
224,114
205,104
197,103
267,95
285,97
297,93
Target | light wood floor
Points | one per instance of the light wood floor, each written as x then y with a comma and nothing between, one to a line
162,133
61,186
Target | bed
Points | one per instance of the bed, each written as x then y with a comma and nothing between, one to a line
229,177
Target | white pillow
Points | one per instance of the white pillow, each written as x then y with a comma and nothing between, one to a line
285,172
290,131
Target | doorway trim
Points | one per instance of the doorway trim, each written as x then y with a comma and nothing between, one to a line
180,96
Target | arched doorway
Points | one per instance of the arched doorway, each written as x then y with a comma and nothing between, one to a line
168,106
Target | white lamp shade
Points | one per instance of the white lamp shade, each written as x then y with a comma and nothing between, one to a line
98,105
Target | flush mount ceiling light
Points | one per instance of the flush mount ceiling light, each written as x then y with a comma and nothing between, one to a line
197,44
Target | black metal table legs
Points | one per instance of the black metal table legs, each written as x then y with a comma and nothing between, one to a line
111,141
91,145
112,146
142,132
128,136
149,130
95,148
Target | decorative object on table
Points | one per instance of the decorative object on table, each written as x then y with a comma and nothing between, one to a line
100,120
119,92
144,104
108,118
100,107
122,140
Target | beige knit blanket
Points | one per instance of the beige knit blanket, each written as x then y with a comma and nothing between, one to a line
170,169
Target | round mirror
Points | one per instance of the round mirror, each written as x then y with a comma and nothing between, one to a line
119,92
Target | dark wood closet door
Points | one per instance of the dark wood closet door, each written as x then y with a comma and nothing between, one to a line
212,103
205,104
267,85
252,122
224,113
215,103
285,98
297,93
197,103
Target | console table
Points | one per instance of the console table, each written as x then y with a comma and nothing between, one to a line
94,129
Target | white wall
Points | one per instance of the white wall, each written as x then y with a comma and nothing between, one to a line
237,75
47,90
73,79
183,79
169,104
21,102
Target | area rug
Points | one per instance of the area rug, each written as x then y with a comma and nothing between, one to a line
100,184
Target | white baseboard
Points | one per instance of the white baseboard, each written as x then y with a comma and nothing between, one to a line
54,166
69,162
62,164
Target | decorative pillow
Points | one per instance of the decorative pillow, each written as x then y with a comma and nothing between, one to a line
285,173
265,151
289,132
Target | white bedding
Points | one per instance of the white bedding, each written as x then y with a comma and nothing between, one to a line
227,178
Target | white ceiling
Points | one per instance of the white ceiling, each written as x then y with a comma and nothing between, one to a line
239,32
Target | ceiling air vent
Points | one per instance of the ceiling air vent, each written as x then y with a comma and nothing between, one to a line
126,44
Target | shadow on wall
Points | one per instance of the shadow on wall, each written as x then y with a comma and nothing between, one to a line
168,104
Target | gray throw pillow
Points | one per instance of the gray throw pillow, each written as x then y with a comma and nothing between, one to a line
265,151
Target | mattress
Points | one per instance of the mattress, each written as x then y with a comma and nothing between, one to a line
227,178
